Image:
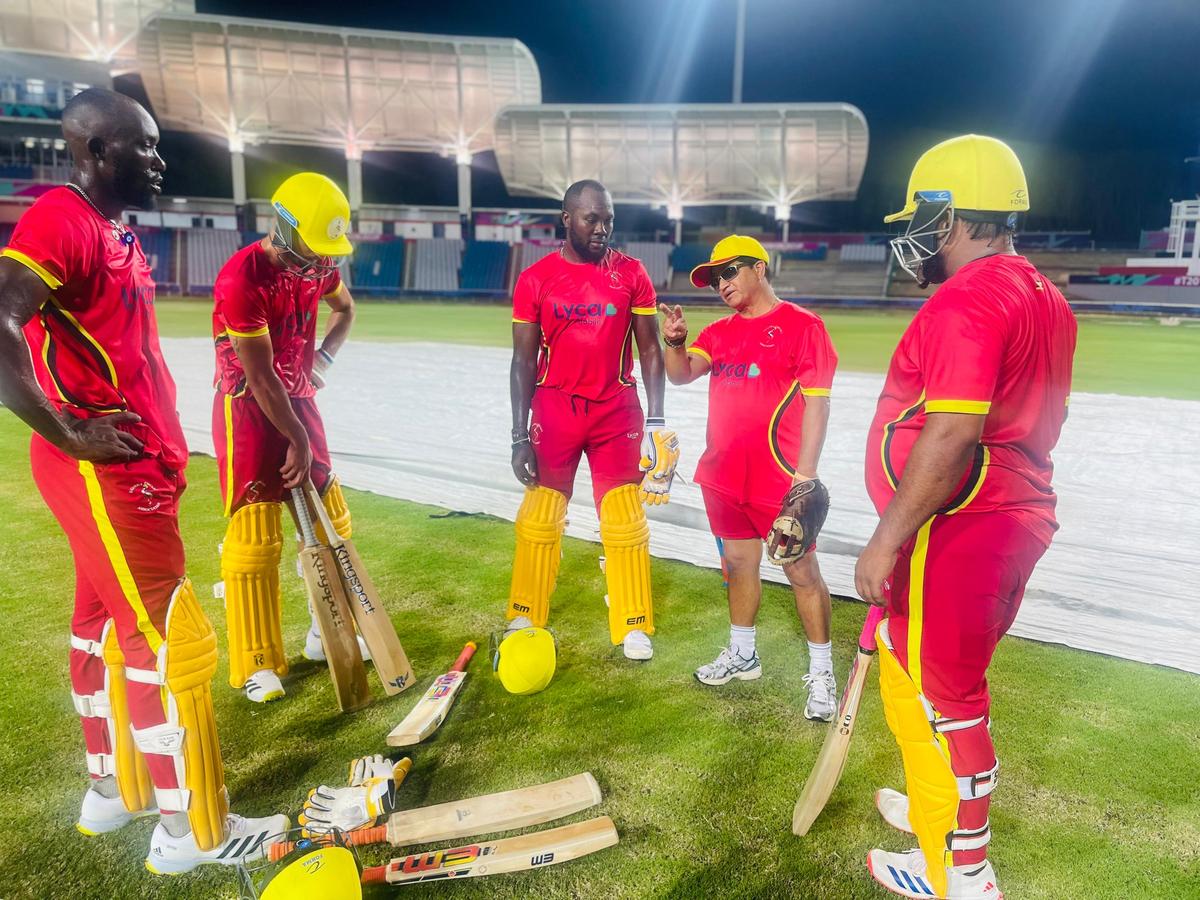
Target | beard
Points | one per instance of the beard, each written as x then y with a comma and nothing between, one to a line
583,250
933,270
134,189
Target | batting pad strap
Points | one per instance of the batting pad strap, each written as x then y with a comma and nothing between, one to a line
91,648
972,787
100,765
92,706
971,839
943,725
143,676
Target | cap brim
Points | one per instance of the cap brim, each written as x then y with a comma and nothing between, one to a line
700,275
339,246
906,213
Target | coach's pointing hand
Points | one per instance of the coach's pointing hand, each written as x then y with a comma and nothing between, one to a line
674,327
99,439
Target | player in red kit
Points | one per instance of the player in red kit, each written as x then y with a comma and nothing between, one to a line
80,363
575,316
267,431
958,466
770,368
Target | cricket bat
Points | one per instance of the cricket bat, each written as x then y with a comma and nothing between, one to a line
424,718
827,770
515,854
367,607
332,610
485,814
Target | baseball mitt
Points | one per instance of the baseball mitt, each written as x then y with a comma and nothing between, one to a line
799,522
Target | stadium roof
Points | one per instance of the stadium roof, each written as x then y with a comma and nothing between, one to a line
686,155
253,81
99,30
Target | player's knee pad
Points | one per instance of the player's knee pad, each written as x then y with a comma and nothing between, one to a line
539,527
338,511
187,661
932,788
250,567
625,534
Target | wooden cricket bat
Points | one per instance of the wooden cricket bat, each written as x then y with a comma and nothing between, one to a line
332,610
516,854
367,607
424,718
485,814
827,770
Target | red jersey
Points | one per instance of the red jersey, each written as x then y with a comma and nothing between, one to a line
252,298
997,339
762,368
94,342
586,315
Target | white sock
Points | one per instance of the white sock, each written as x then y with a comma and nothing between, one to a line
741,640
820,657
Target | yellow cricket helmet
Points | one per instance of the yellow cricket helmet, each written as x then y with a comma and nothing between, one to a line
977,172
525,660
317,210
328,871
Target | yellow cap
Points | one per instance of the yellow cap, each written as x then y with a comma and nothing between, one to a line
326,872
318,210
978,172
727,250
525,660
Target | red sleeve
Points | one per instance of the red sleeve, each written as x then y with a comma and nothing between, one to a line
703,344
962,343
527,299
331,283
54,242
645,300
816,361
243,306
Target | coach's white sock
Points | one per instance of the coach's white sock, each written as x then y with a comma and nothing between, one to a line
820,657
741,640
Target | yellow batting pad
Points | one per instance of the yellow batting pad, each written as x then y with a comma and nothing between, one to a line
250,567
187,663
539,526
932,788
129,765
626,538
339,512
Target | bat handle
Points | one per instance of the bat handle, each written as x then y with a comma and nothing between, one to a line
866,640
463,658
304,517
358,836
374,875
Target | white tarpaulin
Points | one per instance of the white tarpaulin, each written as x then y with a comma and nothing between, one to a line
430,423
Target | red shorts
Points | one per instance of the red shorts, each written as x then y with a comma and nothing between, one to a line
733,520
956,589
563,427
251,450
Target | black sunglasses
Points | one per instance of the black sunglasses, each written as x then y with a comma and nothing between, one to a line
726,274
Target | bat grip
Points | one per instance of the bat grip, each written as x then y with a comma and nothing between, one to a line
374,875
463,658
866,640
358,836
304,517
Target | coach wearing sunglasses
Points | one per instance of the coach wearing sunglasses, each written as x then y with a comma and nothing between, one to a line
770,366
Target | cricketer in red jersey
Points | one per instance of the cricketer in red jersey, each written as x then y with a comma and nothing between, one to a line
958,465
770,369
108,456
267,432
575,315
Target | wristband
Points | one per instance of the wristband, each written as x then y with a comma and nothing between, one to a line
676,345
325,355
518,443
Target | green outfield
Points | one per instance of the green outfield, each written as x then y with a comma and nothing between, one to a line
1117,354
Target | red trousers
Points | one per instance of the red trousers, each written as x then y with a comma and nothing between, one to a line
122,523
251,450
563,427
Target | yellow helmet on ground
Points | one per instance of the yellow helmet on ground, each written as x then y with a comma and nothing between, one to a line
525,660
325,872
979,173
317,210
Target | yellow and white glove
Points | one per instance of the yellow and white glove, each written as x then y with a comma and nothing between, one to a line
660,456
359,805
321,363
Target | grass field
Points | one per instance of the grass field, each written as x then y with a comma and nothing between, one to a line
1097,788
1119,355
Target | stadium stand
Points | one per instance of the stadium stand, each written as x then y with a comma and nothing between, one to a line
158,245
654,256
531,253
434,264
484,266
855,270
208,250
377,267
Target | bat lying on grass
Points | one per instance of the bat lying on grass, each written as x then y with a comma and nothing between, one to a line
827,770
485,814
424,718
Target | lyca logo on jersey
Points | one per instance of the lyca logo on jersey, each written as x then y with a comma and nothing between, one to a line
583,312
139,293
735,370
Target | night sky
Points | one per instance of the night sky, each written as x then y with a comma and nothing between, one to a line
1100,98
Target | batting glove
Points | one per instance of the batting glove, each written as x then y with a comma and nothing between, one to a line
660,457
345,808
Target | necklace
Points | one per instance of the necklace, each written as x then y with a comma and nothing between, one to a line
120,233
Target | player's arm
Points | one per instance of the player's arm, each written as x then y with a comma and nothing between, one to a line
257,358
683,365
813,426
936,465
522,379
645,332
22,293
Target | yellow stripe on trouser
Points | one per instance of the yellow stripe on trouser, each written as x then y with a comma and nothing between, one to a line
129,765
250,568
228,455
539,527
116,555
626,538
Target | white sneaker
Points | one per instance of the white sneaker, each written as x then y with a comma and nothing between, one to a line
100,814
314,650
822,697
512,626
246,840
905,874
729,665
637,645
263,686
893,806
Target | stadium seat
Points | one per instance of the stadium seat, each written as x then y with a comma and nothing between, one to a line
435,263
208,249
484,266
377,267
